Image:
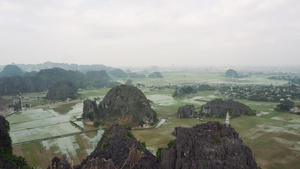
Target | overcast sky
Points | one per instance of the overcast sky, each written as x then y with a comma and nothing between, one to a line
150,32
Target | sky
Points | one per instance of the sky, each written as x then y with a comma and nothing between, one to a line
150,32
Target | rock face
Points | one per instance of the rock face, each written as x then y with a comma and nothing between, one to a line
187,111
122,104
4,105
118,147
61,91
210,145
231,73
155,75
219,108
7,159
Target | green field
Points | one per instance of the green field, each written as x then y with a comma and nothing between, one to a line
272,136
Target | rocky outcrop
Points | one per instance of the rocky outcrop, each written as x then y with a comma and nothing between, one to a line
7,159
122,104
60,163
211,145
4,106
155,75
187,111
61,91
118,148
219,108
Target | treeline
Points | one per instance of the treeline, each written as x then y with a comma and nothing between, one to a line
268,93
293,78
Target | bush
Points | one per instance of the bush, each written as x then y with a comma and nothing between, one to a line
128,134
143,144
158,153
170,144
103,145
96,123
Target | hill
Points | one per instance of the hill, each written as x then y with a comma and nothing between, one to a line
61,91
155,75
231,73
123,104
219,108
11,70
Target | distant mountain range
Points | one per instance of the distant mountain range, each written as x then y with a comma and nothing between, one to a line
66,66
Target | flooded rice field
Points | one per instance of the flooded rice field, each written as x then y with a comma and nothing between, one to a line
31,125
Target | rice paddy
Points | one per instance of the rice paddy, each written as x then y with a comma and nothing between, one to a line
272,136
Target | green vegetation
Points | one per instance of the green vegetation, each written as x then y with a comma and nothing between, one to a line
103,145
64,108
128,134
143,144
158,153
217,141
170,144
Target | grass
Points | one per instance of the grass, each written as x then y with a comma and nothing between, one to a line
84,94
64,108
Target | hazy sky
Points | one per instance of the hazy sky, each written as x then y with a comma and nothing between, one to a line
150,32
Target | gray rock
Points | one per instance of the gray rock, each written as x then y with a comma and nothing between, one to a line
187,111
219,108
211,145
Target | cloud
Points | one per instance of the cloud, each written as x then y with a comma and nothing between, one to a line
150,32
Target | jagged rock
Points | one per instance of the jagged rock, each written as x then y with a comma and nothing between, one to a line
187,111
99,163
60,163
211,145
90,109
219,108
116,144
122,104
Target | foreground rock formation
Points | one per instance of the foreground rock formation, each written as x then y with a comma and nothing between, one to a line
219,108
122,104
7,159
117,149
211,145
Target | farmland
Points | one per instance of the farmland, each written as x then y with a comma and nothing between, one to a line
273,136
